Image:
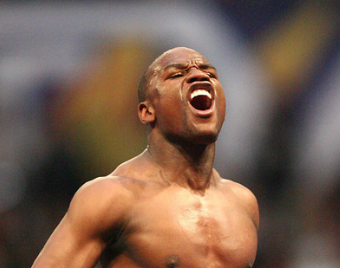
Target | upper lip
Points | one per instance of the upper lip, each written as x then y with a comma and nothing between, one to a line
199,85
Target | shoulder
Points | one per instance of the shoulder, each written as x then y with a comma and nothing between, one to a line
240,191
102,203
136,168
100,191
245,197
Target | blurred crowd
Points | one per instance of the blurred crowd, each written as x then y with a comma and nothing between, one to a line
68,111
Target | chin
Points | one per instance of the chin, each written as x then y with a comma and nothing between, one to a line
205,131
205,137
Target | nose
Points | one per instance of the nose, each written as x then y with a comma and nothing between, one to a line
197,75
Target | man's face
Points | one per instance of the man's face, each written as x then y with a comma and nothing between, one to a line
187,97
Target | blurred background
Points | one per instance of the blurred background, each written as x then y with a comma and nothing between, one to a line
69,72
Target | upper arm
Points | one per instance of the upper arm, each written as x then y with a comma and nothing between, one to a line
249,202
80,238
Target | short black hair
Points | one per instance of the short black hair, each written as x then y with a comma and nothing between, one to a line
143,86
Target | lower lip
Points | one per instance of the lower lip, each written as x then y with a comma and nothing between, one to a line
203,113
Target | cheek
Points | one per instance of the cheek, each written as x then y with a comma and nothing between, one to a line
171,103
221,105
223,108
170,113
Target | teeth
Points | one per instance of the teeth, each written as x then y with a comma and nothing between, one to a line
200,92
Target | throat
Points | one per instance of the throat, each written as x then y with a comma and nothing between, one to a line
200,183
190,167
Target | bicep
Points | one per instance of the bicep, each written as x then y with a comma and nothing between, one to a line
80,237
68,247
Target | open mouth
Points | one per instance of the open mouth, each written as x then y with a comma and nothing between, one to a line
201,98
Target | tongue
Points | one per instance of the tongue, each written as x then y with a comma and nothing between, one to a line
201,102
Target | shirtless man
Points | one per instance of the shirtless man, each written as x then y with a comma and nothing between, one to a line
168,207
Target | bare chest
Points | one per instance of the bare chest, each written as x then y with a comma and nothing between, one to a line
186,231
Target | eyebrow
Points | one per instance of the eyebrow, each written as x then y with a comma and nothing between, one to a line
203,66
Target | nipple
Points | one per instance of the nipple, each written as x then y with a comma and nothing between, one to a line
172,261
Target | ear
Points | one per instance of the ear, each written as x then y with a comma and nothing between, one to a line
146,113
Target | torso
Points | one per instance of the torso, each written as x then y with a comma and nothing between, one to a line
171,226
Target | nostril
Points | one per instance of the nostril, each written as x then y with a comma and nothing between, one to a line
193,79
198,78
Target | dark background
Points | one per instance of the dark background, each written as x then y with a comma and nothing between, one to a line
69,72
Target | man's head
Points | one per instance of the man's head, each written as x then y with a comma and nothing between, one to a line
181,95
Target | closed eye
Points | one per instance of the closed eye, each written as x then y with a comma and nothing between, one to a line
175,75
211,75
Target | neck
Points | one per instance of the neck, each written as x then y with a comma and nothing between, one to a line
188,164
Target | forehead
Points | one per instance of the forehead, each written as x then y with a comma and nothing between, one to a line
178,55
